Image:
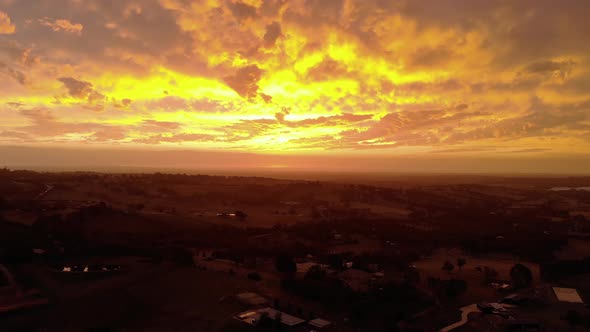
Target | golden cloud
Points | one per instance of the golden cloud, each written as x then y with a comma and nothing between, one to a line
279,75
62,25
6,26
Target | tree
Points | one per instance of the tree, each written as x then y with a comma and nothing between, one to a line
285,264
448,266
573,318
241,214
336,261
489,273
412,276
254,276
264,320
460,262
278,320
520,276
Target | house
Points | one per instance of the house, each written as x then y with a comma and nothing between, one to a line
319,324
567,295
255,317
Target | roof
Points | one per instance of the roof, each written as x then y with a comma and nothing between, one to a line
285,318
319,323
567,295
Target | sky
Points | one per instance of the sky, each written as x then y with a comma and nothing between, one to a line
364,80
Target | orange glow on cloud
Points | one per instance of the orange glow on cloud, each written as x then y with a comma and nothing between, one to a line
274,76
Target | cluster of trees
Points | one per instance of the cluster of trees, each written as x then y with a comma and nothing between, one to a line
520,276
449,267
286,265
385,305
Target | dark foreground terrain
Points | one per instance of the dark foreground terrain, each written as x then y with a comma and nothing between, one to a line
163,252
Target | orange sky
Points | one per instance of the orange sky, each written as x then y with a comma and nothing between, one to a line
353,78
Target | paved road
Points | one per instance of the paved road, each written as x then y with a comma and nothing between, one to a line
465,311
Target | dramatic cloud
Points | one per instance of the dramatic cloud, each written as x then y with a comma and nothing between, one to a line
398,77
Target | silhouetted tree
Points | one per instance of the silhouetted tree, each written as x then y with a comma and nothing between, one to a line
520,276
573,318
285,264
412,276
489,273
277,322
264,320
461,262
448,266
241,214
336,261
254,276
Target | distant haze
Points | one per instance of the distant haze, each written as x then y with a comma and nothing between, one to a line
121,160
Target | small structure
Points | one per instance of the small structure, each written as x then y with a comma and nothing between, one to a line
253,317
567,295
319,323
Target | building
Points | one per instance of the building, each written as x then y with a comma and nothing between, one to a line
567,295
255,317
320,324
